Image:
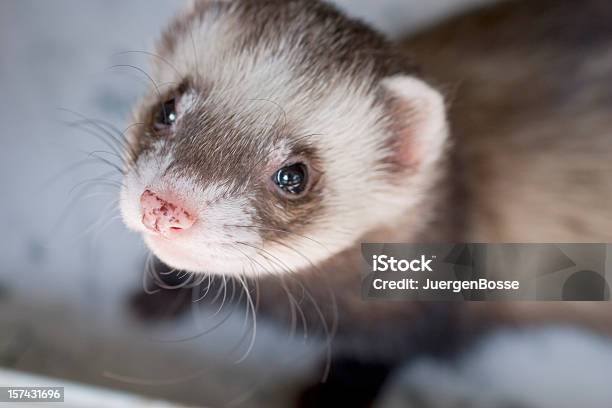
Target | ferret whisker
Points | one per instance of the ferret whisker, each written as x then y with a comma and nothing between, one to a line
93,157
168,272
196,280
265,254
132,154
146,273
204,276
70,205
278,230
222,289
105,127
152,54
92,128
203,332
106,161
74,166
150,382
108,143
181,274
108,221
299,253
250,305
195,286
219,291
131,125
97,194
98,152
298,307
323,276
98,181
160,283
100,229
257,293
102,222
199,334
238,400
223,300
143,72
90,184
109,131
329,334
195,309
295,308
207,289
292,308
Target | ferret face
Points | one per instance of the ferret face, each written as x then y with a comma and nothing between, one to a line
269,141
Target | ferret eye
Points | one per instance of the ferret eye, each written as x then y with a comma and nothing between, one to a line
292,179
166,116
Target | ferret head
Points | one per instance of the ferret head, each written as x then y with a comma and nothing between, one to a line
278,133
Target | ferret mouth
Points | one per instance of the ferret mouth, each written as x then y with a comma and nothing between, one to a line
209,258
168,251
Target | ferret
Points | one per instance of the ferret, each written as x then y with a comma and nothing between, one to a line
279,135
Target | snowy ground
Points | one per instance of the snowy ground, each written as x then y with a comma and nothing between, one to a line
66,266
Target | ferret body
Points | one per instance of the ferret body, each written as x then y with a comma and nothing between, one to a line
246,89
529,107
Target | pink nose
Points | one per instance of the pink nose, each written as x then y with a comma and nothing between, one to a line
162,216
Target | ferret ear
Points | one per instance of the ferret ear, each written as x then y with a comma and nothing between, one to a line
417,119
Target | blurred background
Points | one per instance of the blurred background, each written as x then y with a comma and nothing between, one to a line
67,265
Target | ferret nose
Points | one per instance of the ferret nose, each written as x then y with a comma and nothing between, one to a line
162,216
